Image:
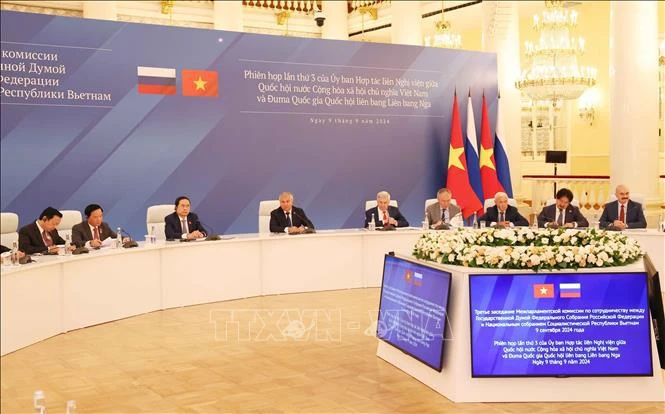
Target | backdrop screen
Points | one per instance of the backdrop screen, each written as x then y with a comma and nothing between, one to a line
576,324
413,309
132,115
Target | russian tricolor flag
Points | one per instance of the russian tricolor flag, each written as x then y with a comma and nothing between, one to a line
418,279
570,290
159,81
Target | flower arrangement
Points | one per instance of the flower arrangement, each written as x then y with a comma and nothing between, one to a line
525,248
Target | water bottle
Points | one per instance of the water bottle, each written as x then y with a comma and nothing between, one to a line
661,223
425,222
474,223
595,223
14,254
68,242
153,236
372,224
118,239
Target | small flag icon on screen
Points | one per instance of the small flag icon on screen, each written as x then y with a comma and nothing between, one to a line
543,290
158,81
408,276
199,83
570,290
418,279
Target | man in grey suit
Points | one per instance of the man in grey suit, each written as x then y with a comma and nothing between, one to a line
443,213
623,213
92,231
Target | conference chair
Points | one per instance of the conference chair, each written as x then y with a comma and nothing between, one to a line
69,219
155,218
8,229
551,201
638,198
489,202
265,207
431,201
372,204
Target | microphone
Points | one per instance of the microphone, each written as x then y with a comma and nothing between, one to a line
309,226
130,243
212,236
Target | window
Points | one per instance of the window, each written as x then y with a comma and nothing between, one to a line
543,128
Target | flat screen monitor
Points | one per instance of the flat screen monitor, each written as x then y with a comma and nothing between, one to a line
413,309
560,324
555,157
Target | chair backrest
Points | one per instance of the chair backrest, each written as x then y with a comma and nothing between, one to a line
551,201
372,204
155,218
431,201
69,219
9,229
265,207
639,198
489,202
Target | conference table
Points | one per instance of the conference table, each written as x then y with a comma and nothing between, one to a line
58,294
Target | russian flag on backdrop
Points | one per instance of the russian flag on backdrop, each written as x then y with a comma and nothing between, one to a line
501,157
159,81
458,177
491,184
471,151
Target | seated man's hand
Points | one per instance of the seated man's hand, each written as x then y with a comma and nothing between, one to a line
296,230
95,243
504,224
392,221
53,249
569,225
195,235
620,224
437,224
552,225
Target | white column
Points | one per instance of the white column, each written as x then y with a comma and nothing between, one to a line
406,23
336,25
500,25
104,10
634,97
227,15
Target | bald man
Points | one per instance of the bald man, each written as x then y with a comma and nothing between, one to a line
623,213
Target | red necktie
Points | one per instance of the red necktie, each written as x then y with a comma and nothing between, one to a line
96,235
622,214
47,239
385,219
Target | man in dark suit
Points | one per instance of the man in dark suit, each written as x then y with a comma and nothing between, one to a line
562,213
623,213
384,214
288,218
41,236
92,231
182,224
503,215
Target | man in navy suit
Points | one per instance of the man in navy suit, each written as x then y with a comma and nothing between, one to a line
503,215
288,218
41,236
562,213
182,224
384,214
623,213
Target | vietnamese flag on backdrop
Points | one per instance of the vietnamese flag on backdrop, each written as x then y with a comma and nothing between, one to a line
458,175
488,175
199,83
